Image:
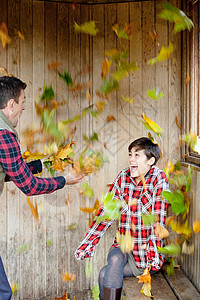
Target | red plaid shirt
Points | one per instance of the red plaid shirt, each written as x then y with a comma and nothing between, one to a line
15,167
148,200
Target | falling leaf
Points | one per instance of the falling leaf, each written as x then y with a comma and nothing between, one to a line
124,32
88,269
5,72
95,292
124,68
108,86
33,208
196,225
23,248
48,93
161,231
187,248
64,152
14,287
128,99
153,34
64,297
68,277
145,277
21,36
48,241
149,124
72,226
155,94
87,27
126,241
32,156
178,124
117,55
100,105
169,220
4,37
177,201
173,14
105,67
190,140
171,249
164,54
66,77
67,200
196,147
169,168
148,219
146,290
110,118
54,65
187,78
86,190
88,96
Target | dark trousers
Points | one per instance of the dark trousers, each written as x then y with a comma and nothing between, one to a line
5,289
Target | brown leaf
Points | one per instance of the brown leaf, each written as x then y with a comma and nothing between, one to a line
153,34
187,78
105,67
88,96
4,37
161,232
110,118
178,124
54,65
128,29
67,201
145,277
33,208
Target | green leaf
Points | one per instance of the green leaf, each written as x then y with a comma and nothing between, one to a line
148,219
72,226
48,241
23,248
108,86
173,14
88,269
50,126
124,68
179,180
87,27
177,201
48,165
66,77
94,137
87,190
171,249
155,94
48,93
95,292
90,110
117,55
189,179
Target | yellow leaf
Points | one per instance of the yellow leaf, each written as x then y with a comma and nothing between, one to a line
145,277
187,248
152,125
14,287
126,242
161,232
64,152
87,209
100,105
128,99
32,156
4,37
21,36
164,54
68,277
146,289
87,27
5,72
196,226
33,208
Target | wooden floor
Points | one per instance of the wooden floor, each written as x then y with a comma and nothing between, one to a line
164,287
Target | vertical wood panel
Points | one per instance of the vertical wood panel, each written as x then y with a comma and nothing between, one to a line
39,234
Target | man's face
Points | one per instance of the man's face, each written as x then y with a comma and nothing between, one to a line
17,109
138,163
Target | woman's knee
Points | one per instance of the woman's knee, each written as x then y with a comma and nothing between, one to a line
116,257
102,274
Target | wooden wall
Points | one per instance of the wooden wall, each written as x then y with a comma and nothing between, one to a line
49,36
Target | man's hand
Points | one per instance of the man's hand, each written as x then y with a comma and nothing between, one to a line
72,177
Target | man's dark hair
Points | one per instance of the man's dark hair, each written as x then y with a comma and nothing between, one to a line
10,88
150,149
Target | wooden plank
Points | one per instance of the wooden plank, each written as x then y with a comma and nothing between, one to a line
26,218
183,287
39,235
136,109
159,288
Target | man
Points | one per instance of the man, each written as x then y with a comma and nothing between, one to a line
139,189
12,103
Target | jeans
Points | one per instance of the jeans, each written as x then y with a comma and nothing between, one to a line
5,289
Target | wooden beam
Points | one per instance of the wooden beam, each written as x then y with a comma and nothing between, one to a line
91,2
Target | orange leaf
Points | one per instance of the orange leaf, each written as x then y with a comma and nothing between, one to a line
68,277
105,67
5,72
54,65
33,208
4,37
187,78
87,209
145,277
110,118
65,297
21,36
196,226
67,201
178,124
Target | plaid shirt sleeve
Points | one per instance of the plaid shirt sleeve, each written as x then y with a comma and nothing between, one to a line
92,237
159,208
96,230
15,167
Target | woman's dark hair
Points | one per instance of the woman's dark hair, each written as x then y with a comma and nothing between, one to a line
10,88
150,149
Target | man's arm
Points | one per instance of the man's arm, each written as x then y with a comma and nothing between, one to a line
18,171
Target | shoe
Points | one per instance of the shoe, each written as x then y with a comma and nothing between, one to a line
112,293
